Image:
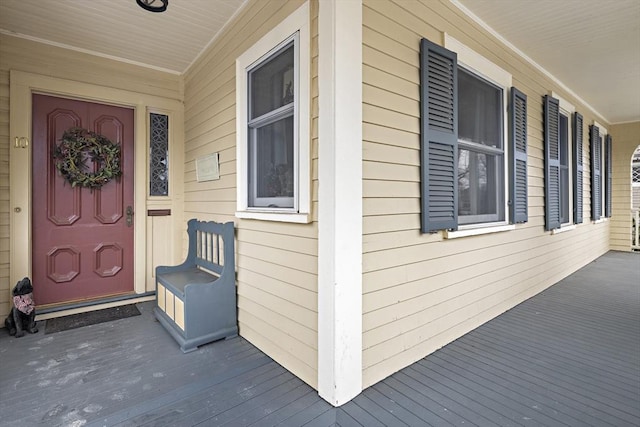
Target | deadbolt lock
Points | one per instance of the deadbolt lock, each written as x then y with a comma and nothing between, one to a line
129,216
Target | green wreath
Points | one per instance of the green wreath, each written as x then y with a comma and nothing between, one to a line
76,146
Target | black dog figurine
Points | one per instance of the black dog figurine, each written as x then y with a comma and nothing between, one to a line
23,313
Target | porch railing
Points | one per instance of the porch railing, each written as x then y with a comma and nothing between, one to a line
635,229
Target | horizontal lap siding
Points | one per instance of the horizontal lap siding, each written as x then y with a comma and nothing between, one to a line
626,138
421,291
28,56
276,262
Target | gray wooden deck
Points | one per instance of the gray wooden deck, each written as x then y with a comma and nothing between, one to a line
569,356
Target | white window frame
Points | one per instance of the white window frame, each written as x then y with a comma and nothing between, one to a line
297,27
271,117
477,64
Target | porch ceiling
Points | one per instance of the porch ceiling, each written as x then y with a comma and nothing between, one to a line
121,29
592,46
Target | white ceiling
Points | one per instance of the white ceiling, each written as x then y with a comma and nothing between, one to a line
121,29
591,46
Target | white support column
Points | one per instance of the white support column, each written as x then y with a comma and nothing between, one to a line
340,200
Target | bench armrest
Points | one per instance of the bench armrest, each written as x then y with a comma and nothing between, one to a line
161,269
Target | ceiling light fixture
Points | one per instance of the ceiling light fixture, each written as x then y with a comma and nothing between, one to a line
153,5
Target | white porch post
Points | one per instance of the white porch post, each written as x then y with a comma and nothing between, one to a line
340,200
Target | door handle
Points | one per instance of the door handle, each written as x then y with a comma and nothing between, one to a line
129,216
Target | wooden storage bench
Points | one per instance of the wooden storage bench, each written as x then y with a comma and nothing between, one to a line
196,300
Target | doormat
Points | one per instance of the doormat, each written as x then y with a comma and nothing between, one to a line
74,321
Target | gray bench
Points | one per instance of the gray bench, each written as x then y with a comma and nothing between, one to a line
196,300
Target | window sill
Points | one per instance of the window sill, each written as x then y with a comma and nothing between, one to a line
600,221
563,229
478,231
298,218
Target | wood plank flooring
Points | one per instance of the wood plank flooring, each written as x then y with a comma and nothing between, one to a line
568,357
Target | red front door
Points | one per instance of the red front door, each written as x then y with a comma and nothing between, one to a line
82,244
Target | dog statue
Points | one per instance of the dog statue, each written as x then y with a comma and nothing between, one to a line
23,313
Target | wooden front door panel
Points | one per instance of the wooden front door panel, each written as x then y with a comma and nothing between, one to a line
82,247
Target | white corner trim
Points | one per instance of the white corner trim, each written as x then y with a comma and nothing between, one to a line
340,197
507,43
477,231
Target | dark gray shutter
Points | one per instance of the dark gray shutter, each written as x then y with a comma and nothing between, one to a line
518,157
551,163
607,176
577,168
438,137
596,181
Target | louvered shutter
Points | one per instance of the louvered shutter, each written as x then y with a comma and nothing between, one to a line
518,157
577,168
438,137
607,176
596,181
552,162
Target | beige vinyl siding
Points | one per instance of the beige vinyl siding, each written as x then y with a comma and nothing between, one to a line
276,262
626,138
37,58
422,291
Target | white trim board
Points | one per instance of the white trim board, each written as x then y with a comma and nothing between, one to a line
340,193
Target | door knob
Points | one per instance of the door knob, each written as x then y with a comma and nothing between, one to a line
129,216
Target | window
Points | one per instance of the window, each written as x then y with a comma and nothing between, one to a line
635,168
472,176
608,181
601,173
273,132
595,143
563,164
480,150
578,167
158,154
564,169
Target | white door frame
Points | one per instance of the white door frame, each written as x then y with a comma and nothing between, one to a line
22,86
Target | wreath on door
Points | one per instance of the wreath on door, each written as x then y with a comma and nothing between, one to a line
79,145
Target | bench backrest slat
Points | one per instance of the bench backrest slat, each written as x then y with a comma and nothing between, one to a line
207,248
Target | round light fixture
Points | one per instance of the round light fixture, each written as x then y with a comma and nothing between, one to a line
153,5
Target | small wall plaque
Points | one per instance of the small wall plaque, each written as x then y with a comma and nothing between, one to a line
208,168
